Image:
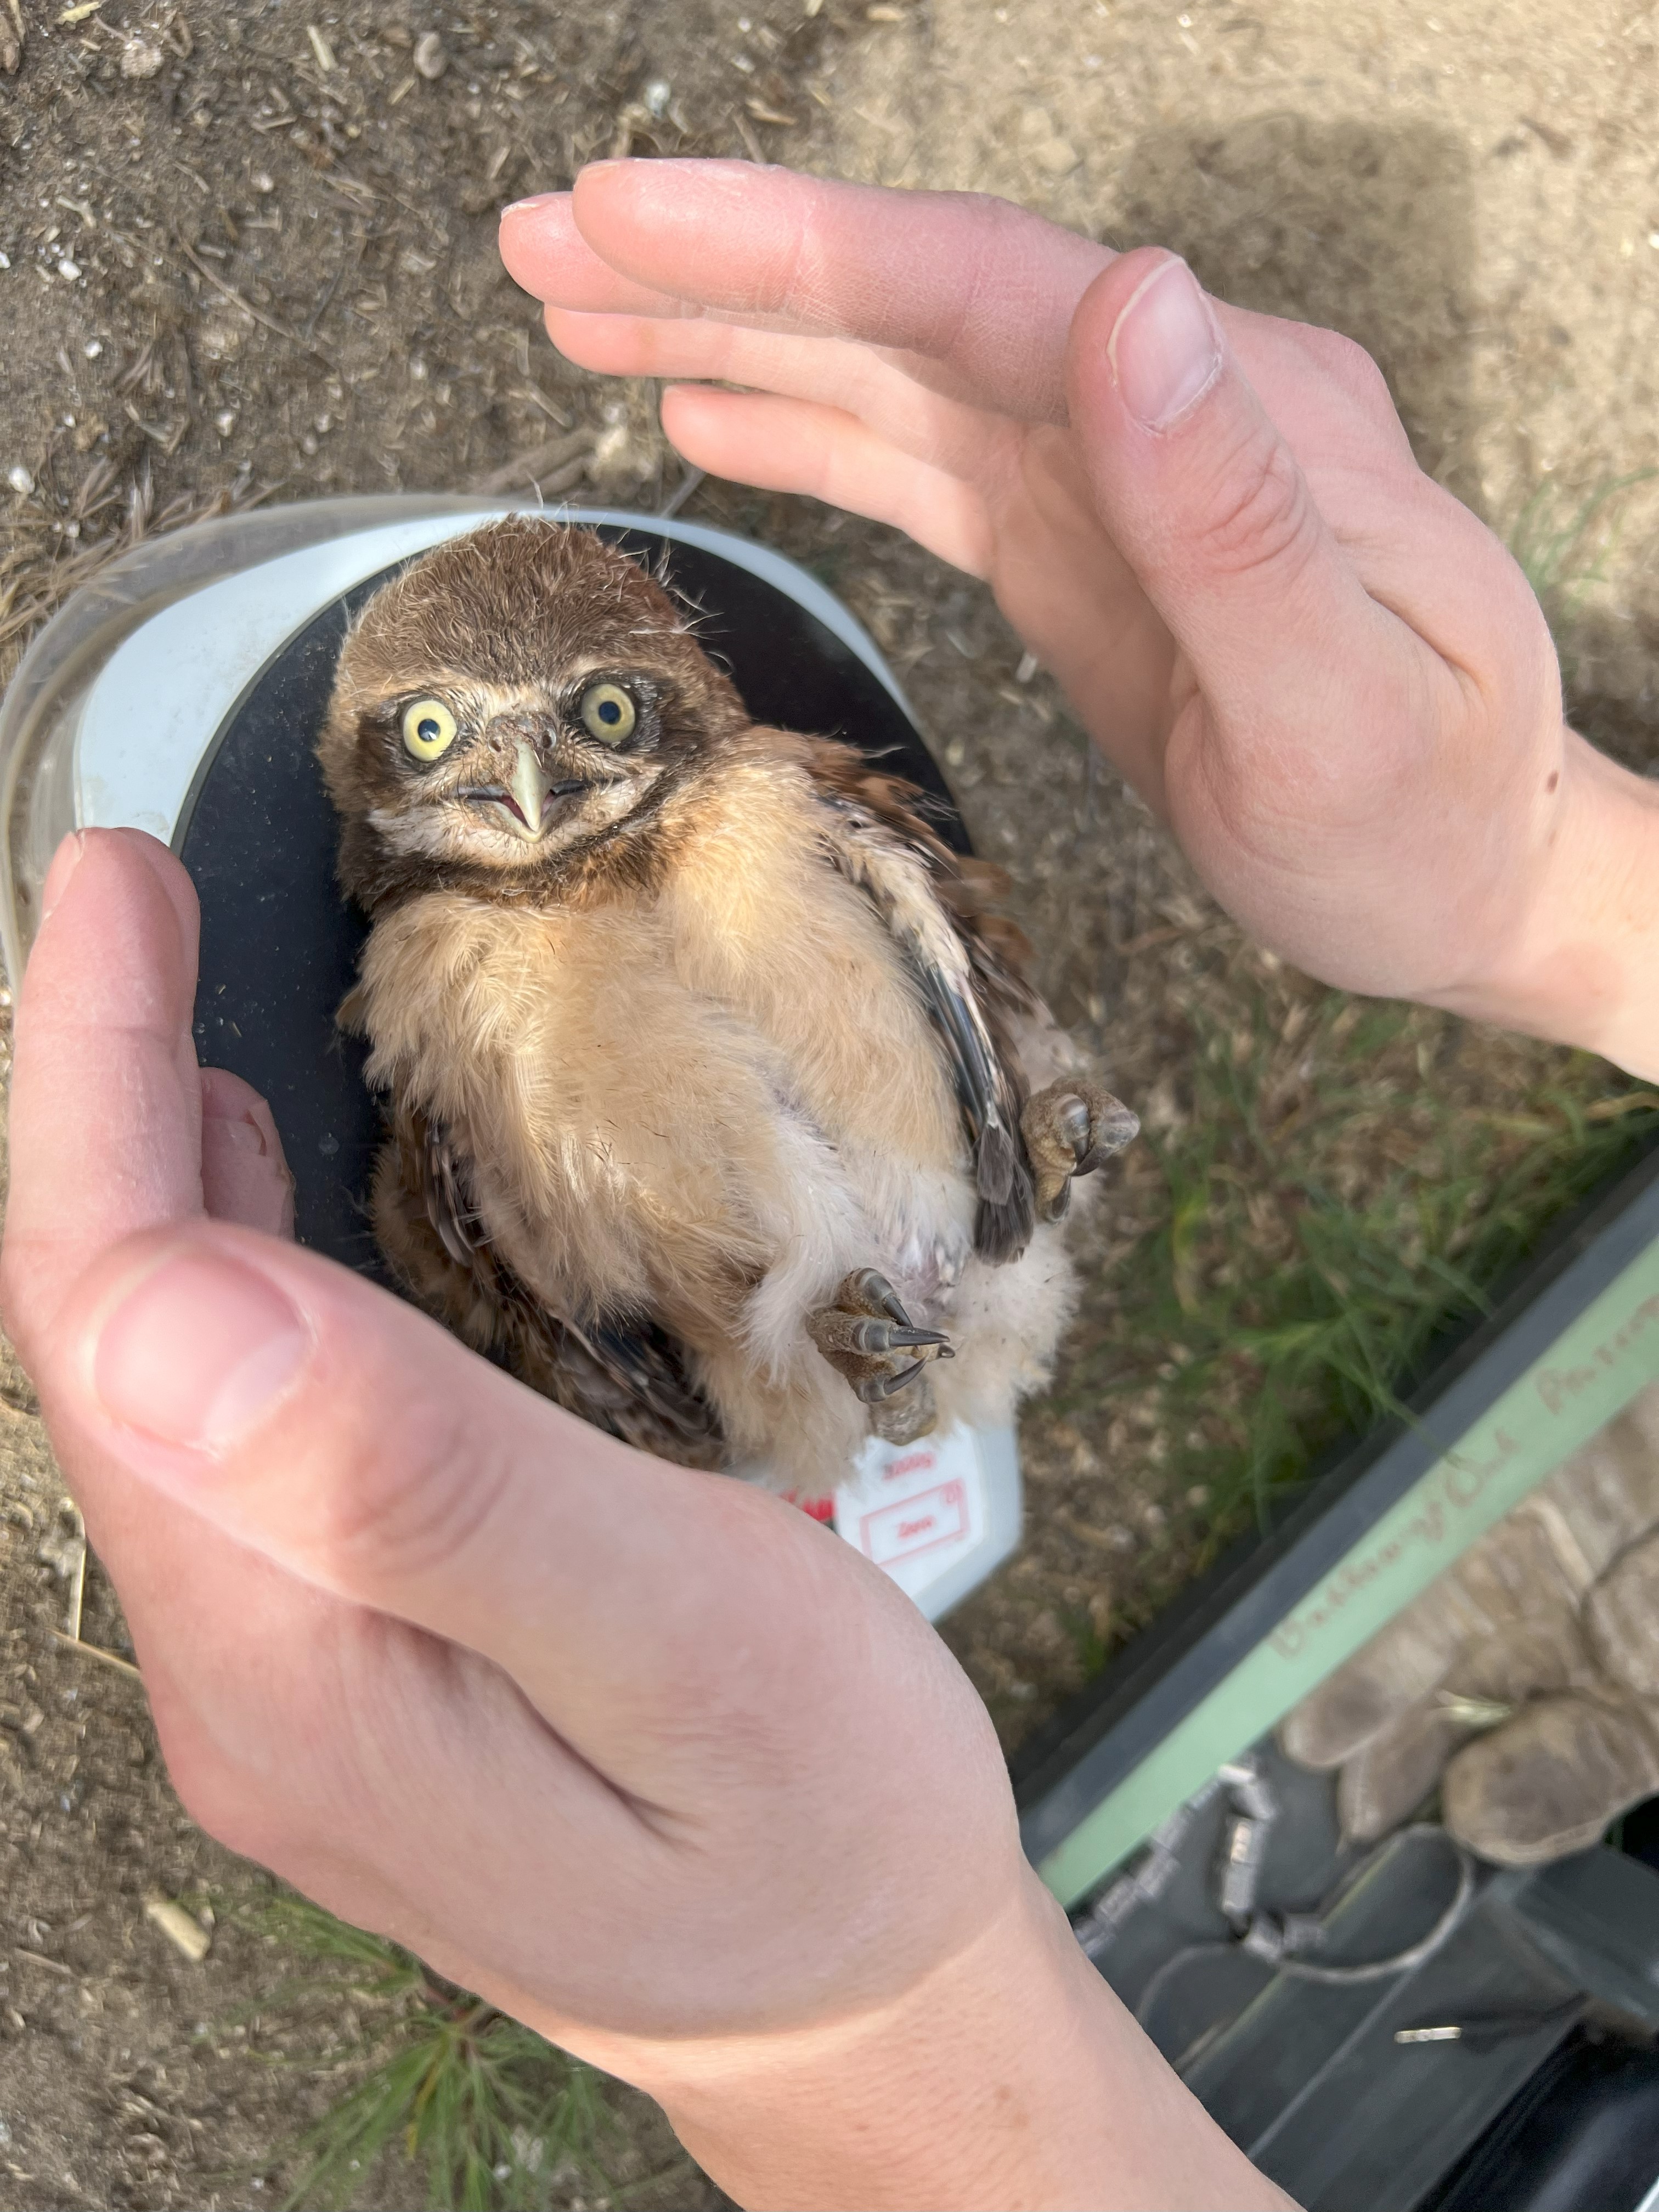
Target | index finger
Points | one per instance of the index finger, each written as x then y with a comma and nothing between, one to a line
958,278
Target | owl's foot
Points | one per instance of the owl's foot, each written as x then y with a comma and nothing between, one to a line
866,1335
1071,1129
913,1413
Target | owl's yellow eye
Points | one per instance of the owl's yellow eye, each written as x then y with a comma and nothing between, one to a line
429,729
608,713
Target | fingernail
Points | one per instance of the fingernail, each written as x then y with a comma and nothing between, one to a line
236,1130
1164,349
198,1352
64,862
536,200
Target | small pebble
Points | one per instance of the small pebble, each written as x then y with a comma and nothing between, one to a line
140,58
19,478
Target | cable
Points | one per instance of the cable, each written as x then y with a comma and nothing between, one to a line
1268,1939
1376,1970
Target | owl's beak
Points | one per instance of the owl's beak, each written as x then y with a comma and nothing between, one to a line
530,787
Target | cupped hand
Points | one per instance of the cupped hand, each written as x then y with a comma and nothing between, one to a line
646,1756
1327,673
611,1742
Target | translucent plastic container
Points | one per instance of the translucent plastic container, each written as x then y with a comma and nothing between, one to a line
115,718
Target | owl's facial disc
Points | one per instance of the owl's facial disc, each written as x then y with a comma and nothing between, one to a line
508,776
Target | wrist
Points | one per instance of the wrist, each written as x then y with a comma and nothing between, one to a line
1580,965
1009,2076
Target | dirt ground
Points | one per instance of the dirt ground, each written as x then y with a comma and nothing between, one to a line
247,250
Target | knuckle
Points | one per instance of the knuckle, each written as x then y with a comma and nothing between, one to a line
416,1496
1347,363
1520,650
1260,515
1365,380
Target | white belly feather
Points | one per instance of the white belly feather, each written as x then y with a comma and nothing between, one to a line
712,1107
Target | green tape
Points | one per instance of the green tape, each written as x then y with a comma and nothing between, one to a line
1588,1374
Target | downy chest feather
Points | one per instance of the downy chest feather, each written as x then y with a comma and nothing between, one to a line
667,1050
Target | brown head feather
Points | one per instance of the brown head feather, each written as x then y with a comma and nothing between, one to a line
509,618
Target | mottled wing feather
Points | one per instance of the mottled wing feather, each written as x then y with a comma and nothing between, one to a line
450,1214
629,1378
968,963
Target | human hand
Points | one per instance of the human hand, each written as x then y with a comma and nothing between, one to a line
1327,673
643,1756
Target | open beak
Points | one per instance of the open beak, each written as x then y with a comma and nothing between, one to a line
530,787
523,797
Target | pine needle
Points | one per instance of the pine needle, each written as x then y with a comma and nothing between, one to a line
492,2118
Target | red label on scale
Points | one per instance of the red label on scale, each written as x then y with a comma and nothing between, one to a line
912,1525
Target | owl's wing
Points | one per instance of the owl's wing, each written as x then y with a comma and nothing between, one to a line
629,1379
968,960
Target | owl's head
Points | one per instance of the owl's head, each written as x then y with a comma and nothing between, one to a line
515,707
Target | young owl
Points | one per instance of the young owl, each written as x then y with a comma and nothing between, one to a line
720,1111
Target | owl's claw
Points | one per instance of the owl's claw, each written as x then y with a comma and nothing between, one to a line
886,1336
865,1291
867,1336
1070,1129
879,1387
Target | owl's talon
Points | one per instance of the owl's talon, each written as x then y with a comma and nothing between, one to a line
867,1336
1070,1129
875,1388
886,1336
867,1292
1072,1124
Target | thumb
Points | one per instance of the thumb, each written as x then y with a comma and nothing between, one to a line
1202,496
331,1428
